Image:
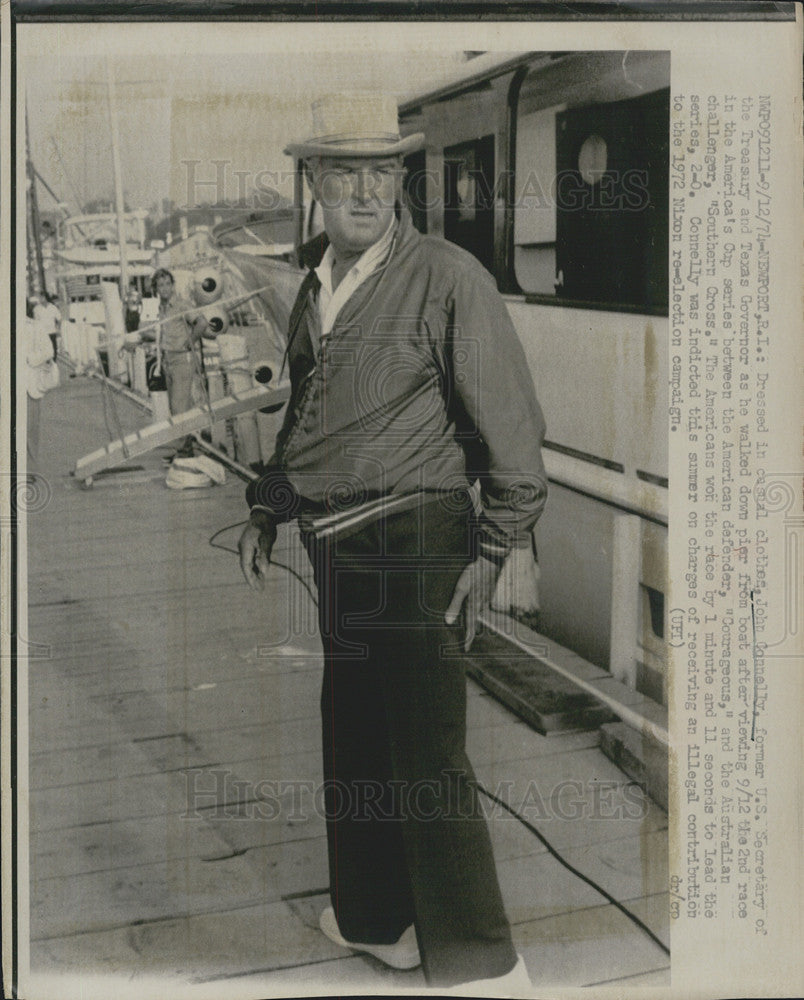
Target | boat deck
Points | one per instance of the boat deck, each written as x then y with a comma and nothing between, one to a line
167,705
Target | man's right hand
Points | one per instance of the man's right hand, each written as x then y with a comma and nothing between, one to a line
255,547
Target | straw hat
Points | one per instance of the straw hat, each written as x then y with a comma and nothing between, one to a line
355,124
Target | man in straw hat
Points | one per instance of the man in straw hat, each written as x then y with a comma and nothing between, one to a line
408,385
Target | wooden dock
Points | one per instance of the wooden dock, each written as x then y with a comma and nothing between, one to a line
174,741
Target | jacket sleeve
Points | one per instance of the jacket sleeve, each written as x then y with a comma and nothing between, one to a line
273,494
503,422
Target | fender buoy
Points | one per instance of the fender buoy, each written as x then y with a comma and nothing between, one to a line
263,374
208,285
217,321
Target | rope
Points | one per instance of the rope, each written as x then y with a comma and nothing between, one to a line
272,561
573,870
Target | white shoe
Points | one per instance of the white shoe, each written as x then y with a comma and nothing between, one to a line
402,955
515,983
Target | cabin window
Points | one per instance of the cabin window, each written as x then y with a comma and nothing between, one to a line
534,205
591,181
611,202
469,197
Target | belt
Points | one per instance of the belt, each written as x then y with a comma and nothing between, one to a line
276,496
323,525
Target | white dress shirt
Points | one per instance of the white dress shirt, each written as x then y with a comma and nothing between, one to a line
331,302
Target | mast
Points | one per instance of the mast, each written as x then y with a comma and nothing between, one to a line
79,201
118,183
35,277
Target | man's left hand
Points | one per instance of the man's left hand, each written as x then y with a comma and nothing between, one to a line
473,592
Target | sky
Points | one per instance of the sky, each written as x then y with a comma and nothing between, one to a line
194,126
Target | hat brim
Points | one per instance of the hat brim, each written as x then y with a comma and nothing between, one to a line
304,149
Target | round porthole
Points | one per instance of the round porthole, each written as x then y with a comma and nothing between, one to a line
592,159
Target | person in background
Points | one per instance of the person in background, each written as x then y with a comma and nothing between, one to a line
408,384
180,326
42,375
133,310
49,315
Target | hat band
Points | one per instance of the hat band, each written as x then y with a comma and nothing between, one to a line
352,137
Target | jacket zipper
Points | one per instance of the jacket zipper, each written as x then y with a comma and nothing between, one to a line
321,357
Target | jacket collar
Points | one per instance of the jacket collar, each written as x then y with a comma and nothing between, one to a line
312,253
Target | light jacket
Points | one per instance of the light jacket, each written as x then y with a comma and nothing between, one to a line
177,319
422,385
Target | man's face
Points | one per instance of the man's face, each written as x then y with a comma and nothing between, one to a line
164,287
357,197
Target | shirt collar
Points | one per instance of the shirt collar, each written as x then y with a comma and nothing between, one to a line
366,263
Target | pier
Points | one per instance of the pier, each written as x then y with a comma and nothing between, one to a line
174,756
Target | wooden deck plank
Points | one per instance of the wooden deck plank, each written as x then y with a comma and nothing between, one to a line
122,669
112,761
78,737
514,740
623,867
129,641
109,760
628,867
139,713
161,660
131,842
575,799
654,911
121,844
133,702
186,788
537,886
351,973
230,662
264,940
654,979
127,798
94,520
250,700
576,949
116,638
109,593
173,888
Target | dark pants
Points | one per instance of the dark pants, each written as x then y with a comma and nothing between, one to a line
407,843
